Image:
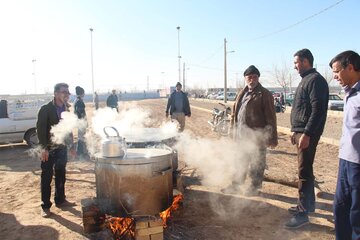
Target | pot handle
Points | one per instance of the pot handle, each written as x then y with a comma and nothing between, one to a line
107,135
162,172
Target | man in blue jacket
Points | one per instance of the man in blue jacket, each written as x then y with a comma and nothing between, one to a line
178,106
308,117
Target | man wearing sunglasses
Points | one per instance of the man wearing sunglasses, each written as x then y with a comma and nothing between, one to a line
53,156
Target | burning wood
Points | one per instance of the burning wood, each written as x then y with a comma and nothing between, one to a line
165,215
122,228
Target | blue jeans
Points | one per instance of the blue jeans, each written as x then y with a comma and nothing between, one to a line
57,160
347,201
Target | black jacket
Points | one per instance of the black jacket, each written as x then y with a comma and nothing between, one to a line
171,104
309,110
79,108
47,117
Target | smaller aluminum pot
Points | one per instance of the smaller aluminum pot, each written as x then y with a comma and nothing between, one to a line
113,146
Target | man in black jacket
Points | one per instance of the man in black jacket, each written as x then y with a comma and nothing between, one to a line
308,117
112,101
179,107
53,156
79,110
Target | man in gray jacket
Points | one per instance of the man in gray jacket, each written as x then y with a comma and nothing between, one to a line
179,107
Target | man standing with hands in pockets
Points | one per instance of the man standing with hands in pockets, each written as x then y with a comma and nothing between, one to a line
308,117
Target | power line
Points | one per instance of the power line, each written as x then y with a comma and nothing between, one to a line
211,56
297,23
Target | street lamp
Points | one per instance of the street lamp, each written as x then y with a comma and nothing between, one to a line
34,75
179,56
92,65
225,70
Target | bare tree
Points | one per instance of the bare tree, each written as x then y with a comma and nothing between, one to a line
283,77
327,74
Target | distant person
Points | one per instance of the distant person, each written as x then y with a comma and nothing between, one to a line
53,156
253,110
308,117
112,101
178,105
346,70
96,100
79,110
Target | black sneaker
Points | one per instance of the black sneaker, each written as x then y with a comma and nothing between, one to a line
65,204
45,212
295,209
298,220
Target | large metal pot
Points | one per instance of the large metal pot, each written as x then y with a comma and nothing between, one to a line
138,184
113,146
152,137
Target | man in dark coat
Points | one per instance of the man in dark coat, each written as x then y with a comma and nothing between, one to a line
308,117
253,120
112,101
53,156
178,106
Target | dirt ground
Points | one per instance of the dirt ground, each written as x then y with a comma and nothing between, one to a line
206,213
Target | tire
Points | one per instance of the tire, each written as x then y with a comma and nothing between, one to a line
224,128
31,138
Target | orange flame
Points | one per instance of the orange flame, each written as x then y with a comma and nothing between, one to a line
122,228
165,215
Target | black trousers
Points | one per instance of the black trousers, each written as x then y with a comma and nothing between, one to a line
306,174
57,161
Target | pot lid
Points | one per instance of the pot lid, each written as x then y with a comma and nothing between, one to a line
139,156
143,135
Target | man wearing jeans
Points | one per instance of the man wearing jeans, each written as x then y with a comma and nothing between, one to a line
53,156
308,117
178,106
346,70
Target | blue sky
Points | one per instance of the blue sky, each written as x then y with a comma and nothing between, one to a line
137,40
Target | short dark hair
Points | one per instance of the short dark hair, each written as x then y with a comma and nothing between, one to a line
60,85
305,54
347,57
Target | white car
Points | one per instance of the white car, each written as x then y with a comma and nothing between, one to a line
335,102
231,96
18,123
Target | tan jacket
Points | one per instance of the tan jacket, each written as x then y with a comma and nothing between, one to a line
260,112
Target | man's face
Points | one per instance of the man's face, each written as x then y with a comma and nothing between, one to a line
340,74
63,95
300,64
178,87
251,81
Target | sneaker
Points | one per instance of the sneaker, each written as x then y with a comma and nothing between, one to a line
65,204
45,212
295,209
298,220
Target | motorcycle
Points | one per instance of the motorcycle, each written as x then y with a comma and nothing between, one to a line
220,121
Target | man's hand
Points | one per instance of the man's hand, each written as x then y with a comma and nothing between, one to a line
304,141
189,115
292,138
44,157
166,115
73,152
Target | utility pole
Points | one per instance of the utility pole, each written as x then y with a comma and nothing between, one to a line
34,74
225,73
147,83
184,77
92,66
179,56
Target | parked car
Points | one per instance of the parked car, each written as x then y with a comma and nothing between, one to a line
18,123
231,96
289,99
335,102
